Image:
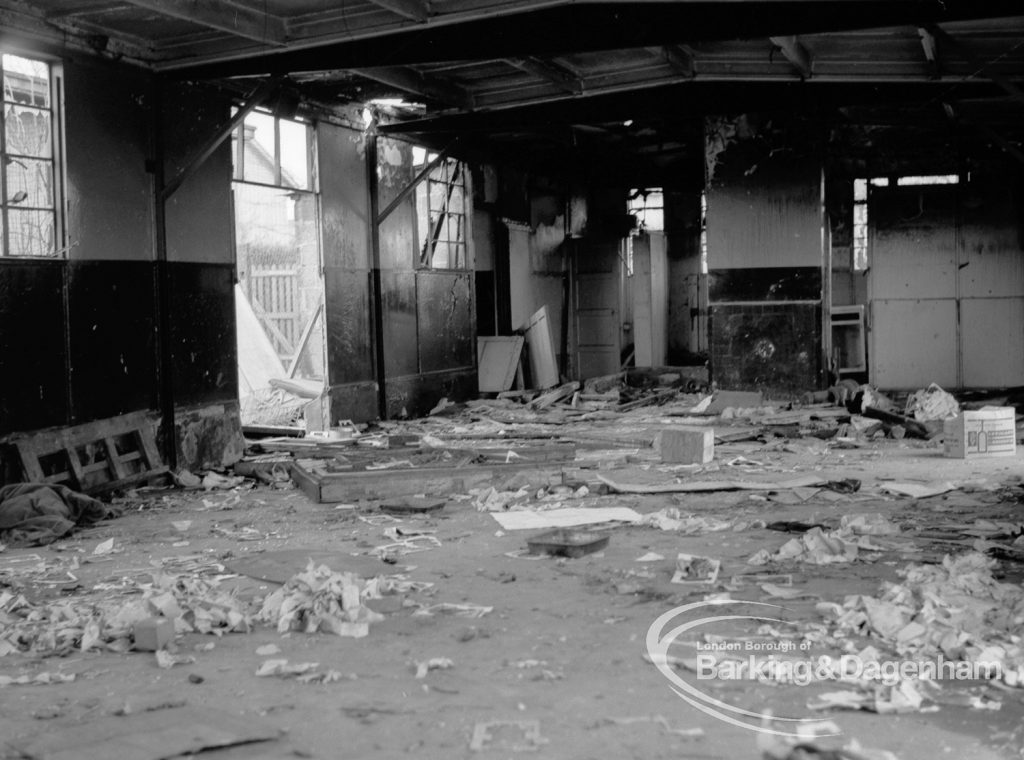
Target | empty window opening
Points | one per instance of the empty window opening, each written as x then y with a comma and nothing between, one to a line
648,206
860,207
441,211
280,291
30,150
703,232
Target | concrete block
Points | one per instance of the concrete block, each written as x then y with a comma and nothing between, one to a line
687,445
153,634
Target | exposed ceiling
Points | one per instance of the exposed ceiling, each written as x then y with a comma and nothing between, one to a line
628,82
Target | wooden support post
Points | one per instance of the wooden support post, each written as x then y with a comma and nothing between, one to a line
377,291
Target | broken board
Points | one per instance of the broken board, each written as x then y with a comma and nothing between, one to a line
325,488
497,361
94,457
152,735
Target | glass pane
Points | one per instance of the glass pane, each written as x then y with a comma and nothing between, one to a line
29,183
31,233
422,214
455,204
27,131
26,81
294,155
260,161
440,256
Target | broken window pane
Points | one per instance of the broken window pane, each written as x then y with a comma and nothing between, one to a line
29,183
441,207
31,233
28,209
27,131
26,81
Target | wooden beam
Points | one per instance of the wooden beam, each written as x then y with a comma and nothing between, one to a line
85,10
263,92
560,76
412,81
997,78
414,10
424,172
680,58
931,52
226,16
795,53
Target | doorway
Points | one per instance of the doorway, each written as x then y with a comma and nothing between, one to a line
279,295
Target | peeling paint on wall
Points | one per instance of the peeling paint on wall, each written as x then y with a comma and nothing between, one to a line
209,436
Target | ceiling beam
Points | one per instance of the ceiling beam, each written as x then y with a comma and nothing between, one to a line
931,52
85,10
976,62
414,10
795,53
413,82
679,57
223,16
560,76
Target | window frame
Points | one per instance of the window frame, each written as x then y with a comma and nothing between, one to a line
57,163
442,176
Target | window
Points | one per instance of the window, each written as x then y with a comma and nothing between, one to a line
648,205
29,152
441,208
860,207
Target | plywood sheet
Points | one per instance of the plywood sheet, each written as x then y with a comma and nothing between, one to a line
497,359
543,364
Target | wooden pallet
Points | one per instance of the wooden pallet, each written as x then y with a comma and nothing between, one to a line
94,457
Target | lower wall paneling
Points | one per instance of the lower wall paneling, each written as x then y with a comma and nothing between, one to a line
202,332
33,354
112,311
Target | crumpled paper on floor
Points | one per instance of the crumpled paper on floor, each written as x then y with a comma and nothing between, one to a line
320,599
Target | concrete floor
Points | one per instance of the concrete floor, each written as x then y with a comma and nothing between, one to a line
563,645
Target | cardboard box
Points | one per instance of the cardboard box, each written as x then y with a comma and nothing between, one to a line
987,432
153,634
687,445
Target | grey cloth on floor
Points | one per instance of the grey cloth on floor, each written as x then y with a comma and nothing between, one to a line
40,513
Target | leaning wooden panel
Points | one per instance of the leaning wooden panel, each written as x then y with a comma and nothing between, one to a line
497,361
93,457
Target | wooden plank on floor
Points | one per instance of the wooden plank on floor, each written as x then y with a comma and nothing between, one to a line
432,481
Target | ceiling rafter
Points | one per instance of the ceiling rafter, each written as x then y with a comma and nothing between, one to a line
411,81
414,10
223,16
86,10
679,57
560,76
795,53
997,78
931,52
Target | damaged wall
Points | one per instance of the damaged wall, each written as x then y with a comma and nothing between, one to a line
764,230
84,328
429,313
687,322
347,296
